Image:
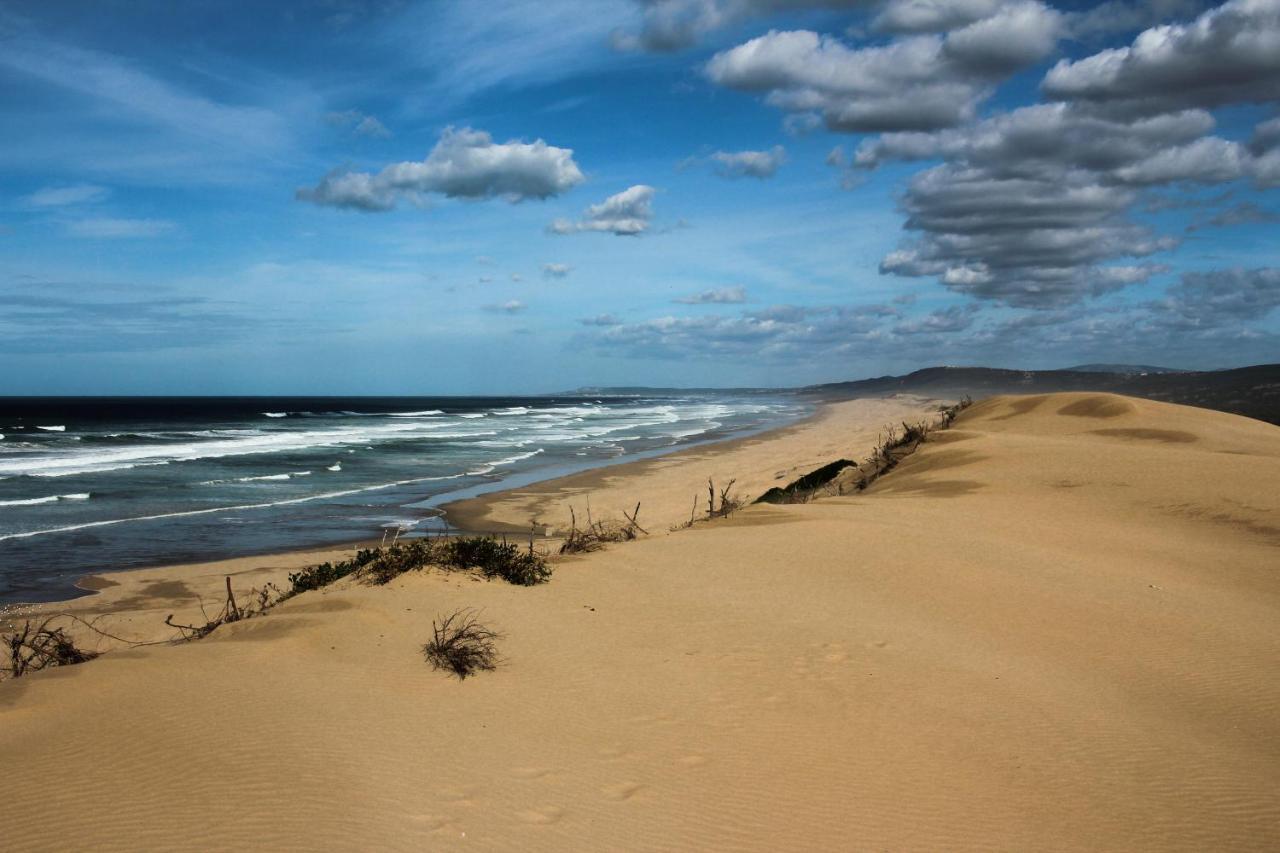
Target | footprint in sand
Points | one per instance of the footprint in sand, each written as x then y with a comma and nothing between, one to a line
622,792
541,816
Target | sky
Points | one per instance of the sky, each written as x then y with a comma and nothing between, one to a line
434,197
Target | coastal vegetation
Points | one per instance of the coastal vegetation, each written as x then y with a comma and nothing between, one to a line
492,558
40,646
461,645
592,537
892,447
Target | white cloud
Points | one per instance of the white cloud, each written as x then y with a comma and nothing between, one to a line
465,163
918,82
1208,161
554,270
1230,54
931,16
110,229
1014,36
66,196
720,296
1123,16
625,214
670,25
513,306
753,164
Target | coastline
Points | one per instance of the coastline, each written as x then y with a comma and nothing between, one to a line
287,558
667,486
1063,605
135,601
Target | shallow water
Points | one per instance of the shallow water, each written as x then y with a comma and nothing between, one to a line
105,484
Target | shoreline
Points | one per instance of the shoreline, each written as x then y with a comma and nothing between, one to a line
671,488
136,599
87,582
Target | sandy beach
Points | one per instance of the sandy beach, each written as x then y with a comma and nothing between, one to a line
1055,626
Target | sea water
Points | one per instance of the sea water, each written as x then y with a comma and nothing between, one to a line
96,484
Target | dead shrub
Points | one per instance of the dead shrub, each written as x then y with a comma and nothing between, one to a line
594,536
37,647
728,503
461,645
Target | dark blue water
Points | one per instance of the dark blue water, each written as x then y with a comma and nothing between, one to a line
97,484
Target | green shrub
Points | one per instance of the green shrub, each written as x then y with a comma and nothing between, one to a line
381,565
505,560
326,573
398,559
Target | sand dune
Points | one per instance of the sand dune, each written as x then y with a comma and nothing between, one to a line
1056,626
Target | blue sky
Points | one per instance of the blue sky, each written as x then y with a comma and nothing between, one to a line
455,197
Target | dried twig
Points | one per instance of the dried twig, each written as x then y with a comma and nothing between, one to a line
461,645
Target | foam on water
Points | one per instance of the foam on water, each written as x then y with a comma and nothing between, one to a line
80,496
201,483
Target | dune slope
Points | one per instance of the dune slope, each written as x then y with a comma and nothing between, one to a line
1056,626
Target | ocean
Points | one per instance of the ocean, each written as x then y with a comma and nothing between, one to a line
102,484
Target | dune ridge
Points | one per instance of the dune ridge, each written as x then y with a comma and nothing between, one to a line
1053,627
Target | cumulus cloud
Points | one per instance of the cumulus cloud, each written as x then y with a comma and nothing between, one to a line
358,123
719,296
920,82
464,163
1031,207
1024,241
106,228
1046,136
554,270
1125,16
1209,161
750,164
1230,54
625,214
66,196
1266,137
931,16
671,25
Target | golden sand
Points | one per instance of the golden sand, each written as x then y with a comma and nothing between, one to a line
1055,626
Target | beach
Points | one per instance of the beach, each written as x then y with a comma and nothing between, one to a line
1054,626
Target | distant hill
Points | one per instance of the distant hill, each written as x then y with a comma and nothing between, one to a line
1250,391
654,391
1122,368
